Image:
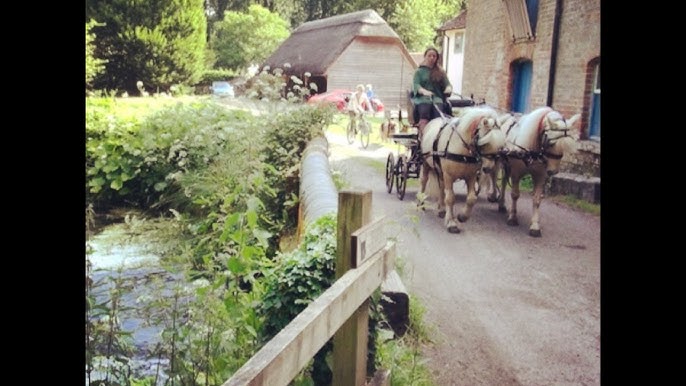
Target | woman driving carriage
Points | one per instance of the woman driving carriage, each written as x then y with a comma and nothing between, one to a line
429,88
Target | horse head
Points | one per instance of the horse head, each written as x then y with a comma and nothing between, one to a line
557,139
490,139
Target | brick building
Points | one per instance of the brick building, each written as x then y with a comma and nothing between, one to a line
522,54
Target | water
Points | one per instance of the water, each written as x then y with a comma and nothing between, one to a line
115,256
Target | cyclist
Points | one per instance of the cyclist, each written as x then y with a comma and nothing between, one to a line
358,104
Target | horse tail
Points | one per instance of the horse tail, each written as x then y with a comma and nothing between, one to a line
432,190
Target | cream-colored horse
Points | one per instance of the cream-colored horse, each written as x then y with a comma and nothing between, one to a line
457,148
535,145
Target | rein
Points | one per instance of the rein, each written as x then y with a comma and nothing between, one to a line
531,156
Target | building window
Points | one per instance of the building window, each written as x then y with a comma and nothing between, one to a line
522,72
594,122
523,16
457,47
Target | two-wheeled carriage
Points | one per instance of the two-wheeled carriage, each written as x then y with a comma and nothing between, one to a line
408,162
406,165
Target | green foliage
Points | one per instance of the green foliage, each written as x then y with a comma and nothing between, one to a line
210,76
209,331
236,49
577,203
416,21
141,160
403,355
108,345
94,66
299,276
286,139
160,42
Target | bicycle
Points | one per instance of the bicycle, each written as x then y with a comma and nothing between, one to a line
358,123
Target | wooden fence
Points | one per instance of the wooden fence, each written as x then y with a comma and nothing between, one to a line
363,259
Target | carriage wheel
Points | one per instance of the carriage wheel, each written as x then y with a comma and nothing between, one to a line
364,133
350,131
390,169
401,181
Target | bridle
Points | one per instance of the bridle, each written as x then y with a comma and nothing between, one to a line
542,154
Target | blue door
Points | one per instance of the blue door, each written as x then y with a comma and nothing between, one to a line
521,86
532,10
594,129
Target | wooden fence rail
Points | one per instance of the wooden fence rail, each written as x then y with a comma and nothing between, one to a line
340,310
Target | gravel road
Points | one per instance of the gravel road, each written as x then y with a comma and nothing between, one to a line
507,308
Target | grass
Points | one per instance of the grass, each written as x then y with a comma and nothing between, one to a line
577,203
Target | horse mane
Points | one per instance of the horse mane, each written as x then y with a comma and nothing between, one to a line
471,118
530,124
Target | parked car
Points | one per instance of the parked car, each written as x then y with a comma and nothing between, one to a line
222,89
339,98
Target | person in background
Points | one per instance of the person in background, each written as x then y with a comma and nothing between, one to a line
370,93
359,103
430,86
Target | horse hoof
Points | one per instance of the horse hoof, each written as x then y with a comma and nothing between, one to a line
453,229
441,213
535,232
513,222
462,218
502,209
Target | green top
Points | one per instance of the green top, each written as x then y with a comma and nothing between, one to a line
421,78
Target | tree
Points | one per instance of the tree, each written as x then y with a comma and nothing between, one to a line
158,42
242,39
416,21
94,66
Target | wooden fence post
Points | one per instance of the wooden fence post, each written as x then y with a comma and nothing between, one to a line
350,342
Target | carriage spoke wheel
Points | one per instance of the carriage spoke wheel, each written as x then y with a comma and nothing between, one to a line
350,132
390,172
401,180
364,133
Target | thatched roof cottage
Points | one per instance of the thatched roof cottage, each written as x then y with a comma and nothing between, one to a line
345,50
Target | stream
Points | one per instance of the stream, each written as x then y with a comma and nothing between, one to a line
114,258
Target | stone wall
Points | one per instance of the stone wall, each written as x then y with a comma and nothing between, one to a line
586,161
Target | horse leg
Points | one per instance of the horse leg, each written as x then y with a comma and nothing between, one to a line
493,185
449,201
512,213
443,196
423,179
471,199
503,186
536,198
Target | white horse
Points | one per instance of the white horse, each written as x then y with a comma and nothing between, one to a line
457,148
535,145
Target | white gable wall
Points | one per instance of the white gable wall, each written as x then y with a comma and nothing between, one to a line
453,57
380,64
